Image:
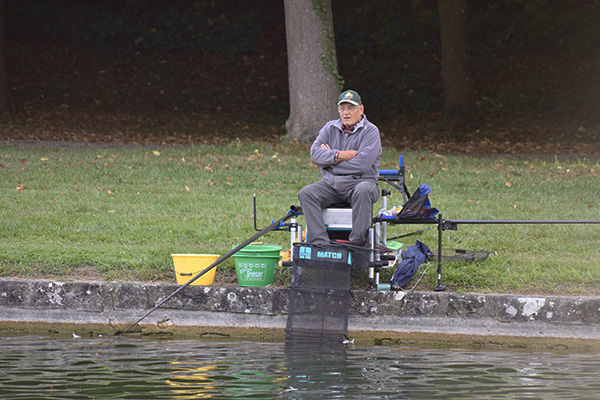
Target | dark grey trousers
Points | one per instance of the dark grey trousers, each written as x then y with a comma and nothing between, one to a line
319,195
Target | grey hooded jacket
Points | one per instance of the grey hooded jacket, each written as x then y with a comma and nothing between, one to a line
343,175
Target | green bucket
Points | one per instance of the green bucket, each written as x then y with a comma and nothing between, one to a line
393,245
255,264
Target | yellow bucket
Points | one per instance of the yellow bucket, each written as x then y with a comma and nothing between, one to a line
189,265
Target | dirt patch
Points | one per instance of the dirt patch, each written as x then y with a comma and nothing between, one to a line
534,135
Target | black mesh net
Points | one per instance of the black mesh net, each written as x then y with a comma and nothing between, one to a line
460,255
319,294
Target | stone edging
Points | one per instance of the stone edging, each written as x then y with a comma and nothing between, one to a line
379,313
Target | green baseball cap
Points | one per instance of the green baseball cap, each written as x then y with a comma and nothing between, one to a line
350,96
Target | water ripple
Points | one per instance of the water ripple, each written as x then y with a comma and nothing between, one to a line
45,367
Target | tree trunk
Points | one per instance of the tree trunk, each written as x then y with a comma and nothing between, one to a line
312,67
5,98
459,100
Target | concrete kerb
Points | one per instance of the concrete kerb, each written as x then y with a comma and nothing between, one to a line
374,315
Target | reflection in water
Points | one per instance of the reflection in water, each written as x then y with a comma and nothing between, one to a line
67,368
192,380
321,368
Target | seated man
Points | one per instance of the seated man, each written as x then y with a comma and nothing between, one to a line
347,150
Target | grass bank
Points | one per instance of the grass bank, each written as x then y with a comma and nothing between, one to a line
118,212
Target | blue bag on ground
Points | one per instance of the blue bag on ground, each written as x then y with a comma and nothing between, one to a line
412,257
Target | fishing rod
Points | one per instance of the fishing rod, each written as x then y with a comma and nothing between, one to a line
452,225
293,212
451,222
409,234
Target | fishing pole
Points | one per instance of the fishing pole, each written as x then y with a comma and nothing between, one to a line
452,225
294,211
451,222
409,234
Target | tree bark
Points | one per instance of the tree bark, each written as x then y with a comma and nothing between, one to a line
459,99
312,67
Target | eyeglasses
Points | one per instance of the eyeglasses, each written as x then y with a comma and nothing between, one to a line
347,108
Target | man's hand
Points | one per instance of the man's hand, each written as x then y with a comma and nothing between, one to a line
346,155
342,155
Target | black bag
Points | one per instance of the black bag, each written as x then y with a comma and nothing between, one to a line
418,206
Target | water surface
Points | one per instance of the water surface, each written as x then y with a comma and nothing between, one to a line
47,367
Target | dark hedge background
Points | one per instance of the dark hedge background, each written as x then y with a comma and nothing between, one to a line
535,65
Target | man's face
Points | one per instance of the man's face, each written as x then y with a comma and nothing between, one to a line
350,113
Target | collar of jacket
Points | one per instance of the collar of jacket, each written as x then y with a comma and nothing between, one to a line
338,124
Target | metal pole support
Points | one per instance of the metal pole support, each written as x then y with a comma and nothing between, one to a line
439,286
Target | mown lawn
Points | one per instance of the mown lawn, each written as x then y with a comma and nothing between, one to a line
117,212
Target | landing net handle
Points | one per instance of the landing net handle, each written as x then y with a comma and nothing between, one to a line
293,212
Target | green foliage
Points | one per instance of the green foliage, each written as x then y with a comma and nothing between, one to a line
389,50
201,26
329,56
